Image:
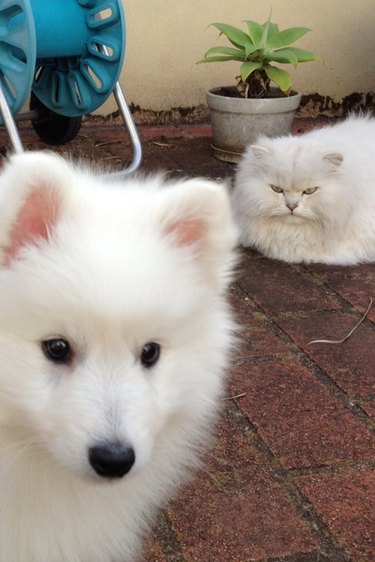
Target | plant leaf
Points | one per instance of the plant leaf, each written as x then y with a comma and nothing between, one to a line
279,76
236,36
302,55
236,54
250,49
284,56
255,32
216,59
247,68
264,39
273,28
286,37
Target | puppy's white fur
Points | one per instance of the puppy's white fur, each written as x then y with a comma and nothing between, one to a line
108,267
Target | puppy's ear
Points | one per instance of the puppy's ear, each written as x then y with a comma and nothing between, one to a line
195,215
32,189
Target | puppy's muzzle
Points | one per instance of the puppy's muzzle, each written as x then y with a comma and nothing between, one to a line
111,460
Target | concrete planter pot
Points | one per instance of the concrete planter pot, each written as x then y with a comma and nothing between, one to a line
237,122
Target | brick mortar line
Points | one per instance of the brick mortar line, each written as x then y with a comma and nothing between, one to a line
365,399
340,467
263,358
336,391
169,542
318,556
285,478
348,306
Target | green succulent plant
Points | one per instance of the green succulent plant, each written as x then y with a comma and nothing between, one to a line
257,50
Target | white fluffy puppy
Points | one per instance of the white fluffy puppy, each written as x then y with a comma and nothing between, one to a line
115,336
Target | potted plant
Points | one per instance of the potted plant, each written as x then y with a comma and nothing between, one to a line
263,101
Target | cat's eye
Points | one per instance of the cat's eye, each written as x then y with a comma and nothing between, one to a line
276,188
57,350
150,354
310,190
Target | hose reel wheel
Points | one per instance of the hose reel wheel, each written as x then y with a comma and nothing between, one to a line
68,52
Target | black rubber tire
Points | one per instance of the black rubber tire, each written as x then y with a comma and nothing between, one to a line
51,127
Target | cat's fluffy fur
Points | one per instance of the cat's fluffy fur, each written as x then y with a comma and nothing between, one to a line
107,268
336,223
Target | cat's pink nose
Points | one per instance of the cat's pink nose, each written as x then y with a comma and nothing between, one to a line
292,206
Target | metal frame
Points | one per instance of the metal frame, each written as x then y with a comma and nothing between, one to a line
131,128
9,123
125,113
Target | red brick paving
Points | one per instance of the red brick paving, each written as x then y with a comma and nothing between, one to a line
297,416
237,486
292,475
345,501
350,365
279,287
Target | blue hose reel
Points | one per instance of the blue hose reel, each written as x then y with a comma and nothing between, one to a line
67,53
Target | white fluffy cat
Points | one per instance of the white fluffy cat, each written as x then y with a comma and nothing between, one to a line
310,198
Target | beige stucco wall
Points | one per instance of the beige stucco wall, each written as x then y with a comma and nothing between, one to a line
166,37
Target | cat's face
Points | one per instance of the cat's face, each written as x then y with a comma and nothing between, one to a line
290,180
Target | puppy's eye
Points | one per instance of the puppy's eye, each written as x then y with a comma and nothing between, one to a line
150,354
310,190
276,188
57,350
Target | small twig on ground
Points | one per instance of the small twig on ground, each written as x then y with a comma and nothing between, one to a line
100,144
162,144
213,478
336,342
235,397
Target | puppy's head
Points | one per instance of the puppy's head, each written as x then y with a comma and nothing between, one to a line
114,332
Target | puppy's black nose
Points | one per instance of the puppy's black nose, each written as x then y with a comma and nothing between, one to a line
111,460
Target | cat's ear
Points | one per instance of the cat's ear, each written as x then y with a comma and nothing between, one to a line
259,151
32,192
195,216
334,158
